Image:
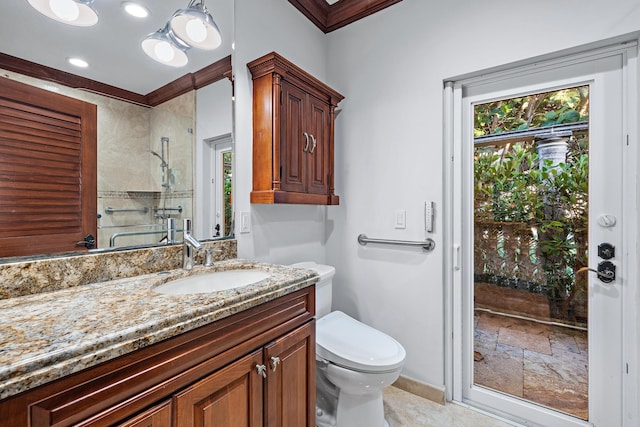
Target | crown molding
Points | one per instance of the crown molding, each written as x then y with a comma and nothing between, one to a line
331,17
212,73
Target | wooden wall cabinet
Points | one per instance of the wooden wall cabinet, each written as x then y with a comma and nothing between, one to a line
253,369
293,134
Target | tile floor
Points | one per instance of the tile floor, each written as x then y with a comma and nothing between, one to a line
541,363
403,409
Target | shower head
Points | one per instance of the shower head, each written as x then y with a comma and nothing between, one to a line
164,163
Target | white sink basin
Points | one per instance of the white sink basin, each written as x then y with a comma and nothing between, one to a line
211,282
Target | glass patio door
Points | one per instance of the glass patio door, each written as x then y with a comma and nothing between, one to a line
540,210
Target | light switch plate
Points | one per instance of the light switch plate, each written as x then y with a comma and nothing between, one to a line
245,222
401,219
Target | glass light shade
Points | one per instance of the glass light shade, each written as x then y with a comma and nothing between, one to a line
72,12
195,26
161,46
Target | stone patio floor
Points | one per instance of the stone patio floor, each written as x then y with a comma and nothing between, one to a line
541,363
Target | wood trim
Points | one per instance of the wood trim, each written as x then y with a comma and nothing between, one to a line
276,196
427,391
32,69
315,10
331,17
344,13
276,63
212,73
205,76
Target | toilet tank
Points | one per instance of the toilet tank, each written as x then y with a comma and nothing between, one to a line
324,287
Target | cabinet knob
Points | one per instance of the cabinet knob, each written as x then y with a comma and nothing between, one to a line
275,361
313,146
262,370
306,145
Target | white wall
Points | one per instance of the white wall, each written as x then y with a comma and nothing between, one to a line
280,234
390,66
214,117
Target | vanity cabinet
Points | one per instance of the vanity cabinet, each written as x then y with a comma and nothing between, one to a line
293,134
158,416
254,368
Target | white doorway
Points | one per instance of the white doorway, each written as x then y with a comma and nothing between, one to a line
609,74
217,197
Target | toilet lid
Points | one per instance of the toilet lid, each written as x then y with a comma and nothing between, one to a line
344,341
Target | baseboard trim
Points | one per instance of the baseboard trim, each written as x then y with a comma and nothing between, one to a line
427,391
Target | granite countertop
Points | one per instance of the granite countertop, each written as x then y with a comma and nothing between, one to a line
46,336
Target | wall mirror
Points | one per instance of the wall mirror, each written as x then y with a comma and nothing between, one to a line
172,159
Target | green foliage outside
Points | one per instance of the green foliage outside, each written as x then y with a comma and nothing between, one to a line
228,181
532,111
513,185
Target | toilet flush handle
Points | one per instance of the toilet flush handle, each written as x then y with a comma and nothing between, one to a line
274,363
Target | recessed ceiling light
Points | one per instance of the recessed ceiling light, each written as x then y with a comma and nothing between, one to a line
135,9
78,62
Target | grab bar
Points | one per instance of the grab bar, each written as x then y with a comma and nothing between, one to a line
427,245
114,236
110,210
101,227
179,209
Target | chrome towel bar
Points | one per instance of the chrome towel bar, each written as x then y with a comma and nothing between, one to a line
109,210
179,209
427,245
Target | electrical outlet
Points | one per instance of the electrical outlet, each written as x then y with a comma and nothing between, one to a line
245,222
401,219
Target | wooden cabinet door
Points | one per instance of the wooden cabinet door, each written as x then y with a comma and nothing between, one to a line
158,416
230,397
48,189
290,395
318,165
294,145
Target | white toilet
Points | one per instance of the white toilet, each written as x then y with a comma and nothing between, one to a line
355,362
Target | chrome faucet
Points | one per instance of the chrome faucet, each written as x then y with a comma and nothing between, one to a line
171,231
190,244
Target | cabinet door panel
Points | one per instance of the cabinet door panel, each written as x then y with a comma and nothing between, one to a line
320,157
158,416
291,389
231,397
293,156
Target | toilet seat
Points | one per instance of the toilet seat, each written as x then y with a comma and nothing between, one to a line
346,342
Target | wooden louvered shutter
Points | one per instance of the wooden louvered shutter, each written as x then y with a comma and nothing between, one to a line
48,189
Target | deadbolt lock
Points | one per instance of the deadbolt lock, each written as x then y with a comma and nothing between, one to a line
606,250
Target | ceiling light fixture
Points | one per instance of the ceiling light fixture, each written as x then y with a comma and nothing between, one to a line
195,26
135,9
78,62
190,27
72,12
164,47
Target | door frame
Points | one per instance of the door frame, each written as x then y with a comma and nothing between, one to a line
212,197
457,255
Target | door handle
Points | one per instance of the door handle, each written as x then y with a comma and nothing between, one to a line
89,242
313,147
306,146
274,363
606,271
262,370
